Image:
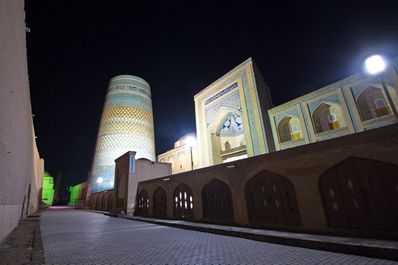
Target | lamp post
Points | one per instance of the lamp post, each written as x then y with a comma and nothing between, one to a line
376,64
191,141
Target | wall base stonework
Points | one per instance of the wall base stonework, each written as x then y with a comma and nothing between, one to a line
9,217
302,208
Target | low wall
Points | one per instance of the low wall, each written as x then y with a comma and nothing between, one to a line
342,186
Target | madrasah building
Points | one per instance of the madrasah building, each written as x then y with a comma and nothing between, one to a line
235,118
326,162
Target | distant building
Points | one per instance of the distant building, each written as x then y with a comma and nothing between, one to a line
77,195
47,195
184,155
126,124
129,171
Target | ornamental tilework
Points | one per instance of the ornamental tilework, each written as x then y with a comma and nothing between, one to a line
332,99
292,113
231,101
126,125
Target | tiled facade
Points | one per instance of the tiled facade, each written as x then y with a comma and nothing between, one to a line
357,103
126,124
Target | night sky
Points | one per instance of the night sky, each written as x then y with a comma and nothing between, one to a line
75,47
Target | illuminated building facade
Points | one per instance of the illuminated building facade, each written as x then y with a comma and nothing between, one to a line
126,124
231,117
47,195
184,156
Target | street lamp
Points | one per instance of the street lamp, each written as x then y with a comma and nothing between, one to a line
191,141
376,64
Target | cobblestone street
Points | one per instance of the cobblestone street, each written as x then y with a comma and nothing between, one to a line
80,237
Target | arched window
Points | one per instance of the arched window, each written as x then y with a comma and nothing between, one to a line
183,202
289,129
271,199
361,193
142,203
217,201
325,119
160,203
372,103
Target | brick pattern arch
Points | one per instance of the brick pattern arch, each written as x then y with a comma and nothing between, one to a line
271,199
217,201
142,203
183,202
160,203
361,193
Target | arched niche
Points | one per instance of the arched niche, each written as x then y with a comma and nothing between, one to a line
142,203
217,201
183,201
372,103
271,199
227,135
328,116
160,203
361,193
289,128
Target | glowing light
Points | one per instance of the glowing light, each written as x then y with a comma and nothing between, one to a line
375,64
191,141
100,180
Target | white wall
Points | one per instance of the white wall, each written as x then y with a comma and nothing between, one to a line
16,133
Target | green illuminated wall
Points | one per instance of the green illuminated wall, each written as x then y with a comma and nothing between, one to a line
74,194
48,189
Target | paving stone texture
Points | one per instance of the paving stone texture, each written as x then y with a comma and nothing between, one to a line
81,237
23,245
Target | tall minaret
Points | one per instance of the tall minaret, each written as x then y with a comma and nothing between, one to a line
126,125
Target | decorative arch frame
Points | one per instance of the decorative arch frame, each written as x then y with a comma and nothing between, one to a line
183,202
142,203
217,201
271,199
360,193
159,203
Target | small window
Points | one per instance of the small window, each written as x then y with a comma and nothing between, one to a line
380,103
332,117
295,129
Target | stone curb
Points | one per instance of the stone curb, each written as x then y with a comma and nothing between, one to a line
361,248
24,244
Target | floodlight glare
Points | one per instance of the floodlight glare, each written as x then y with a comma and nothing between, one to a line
375,64
191,141
100,180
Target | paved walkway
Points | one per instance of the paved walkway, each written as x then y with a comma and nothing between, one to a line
81,237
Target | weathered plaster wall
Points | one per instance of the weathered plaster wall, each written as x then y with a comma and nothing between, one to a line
16,133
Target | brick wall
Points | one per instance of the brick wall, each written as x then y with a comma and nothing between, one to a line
302,167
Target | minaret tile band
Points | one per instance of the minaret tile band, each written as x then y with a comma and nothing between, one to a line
126,125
